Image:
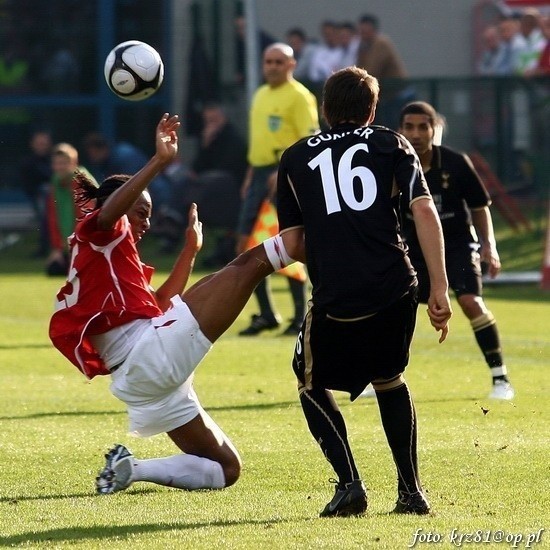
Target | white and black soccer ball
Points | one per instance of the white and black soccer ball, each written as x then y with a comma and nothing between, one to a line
134,70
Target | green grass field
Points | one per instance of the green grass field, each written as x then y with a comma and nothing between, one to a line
484,464
519,250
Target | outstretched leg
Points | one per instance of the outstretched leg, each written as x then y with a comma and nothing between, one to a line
218,299
210,461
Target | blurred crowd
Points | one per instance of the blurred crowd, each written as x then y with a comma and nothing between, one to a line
212,178
516,44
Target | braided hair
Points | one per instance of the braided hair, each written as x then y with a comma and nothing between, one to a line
88,192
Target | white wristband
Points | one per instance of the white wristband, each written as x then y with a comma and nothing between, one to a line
276,252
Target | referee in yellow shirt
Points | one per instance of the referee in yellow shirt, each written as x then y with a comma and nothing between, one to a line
282,112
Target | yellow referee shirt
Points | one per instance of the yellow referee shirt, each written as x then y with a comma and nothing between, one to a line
278,118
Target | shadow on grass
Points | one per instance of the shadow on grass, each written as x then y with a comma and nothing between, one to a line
250,406
26,346
60,413
14,500
118,532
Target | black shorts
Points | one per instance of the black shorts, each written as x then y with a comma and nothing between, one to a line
348,355
463,271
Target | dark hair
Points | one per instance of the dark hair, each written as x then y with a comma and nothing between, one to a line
87,189
372,19
348,25
297,31
350,94
419,108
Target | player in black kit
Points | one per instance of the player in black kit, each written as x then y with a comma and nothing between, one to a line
463,206
338,194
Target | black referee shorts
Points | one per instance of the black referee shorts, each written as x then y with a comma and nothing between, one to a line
463,271
348,355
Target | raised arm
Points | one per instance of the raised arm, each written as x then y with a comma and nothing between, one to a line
122,199
179,276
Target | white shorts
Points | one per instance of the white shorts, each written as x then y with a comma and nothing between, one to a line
156,379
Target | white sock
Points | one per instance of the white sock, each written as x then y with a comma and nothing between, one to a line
182,471
276,252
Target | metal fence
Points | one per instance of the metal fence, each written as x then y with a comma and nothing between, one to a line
506,119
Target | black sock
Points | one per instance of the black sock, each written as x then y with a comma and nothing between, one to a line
488,341
327,426
399,421
298,293
263,295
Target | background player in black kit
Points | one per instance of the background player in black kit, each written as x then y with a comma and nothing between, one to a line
463,204
338,193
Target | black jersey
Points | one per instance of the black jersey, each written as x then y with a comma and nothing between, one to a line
456,188
342,186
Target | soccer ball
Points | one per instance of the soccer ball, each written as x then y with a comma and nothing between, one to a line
134,70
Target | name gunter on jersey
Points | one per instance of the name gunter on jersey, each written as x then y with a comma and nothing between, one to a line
343,187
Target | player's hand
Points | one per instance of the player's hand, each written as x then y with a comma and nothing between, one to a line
439,312
490,257
193,232
167,137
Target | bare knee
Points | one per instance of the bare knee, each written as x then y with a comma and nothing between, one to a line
472,305
232,470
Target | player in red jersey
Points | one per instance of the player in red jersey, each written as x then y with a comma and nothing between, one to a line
108,320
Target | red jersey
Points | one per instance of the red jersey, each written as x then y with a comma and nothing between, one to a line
544,60
107,286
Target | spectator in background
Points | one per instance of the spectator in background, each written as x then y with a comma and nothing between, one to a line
215,178
527,56
62,211
376,52
512,41
264,40
514,117
543,65
34,174
304,50
105,158
542,92
219,168
328,55
221,147
61,72
378,55
349,43
492,56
